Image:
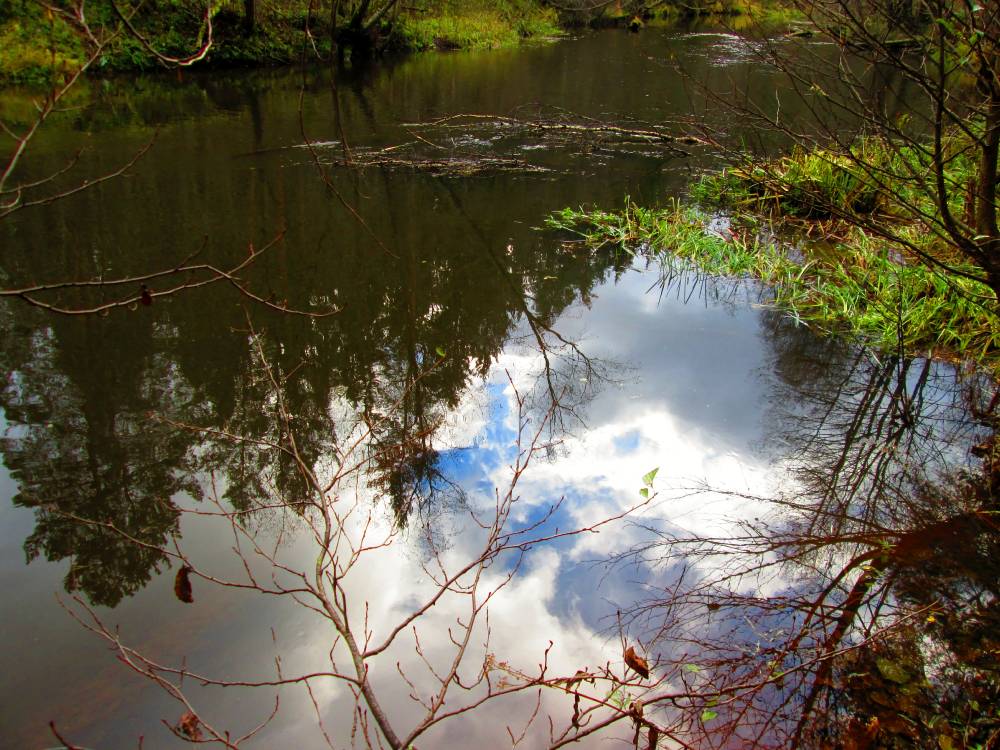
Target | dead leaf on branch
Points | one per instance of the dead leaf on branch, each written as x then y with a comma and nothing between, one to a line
182,585
190,726
581,675
636,663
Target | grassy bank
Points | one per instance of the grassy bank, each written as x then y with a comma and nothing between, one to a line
477,25
38,46
852,286
848,242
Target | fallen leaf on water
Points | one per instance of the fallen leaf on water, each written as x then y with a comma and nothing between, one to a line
182,585
637,663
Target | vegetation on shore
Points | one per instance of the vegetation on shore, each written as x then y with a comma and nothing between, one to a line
776,225
38,46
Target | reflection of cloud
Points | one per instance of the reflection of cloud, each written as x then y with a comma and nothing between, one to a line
523,619
693,411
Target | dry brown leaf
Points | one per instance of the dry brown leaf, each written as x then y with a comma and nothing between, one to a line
638,665
189,726
182,585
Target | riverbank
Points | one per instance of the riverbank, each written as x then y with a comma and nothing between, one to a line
38,46
813,232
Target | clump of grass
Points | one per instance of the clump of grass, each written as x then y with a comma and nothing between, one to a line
858,288
872,178
487,25
808,185
887,293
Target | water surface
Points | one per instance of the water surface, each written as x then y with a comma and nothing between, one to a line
453,308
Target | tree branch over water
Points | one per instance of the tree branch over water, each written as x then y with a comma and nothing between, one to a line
454,678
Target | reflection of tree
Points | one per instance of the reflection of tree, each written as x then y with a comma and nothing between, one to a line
882,543
864,428
82,446
85,454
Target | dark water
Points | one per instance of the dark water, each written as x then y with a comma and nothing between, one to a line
449,296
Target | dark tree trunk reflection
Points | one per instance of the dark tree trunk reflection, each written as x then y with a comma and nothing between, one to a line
868,589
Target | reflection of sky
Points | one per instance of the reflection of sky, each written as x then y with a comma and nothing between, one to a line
689,405
690,402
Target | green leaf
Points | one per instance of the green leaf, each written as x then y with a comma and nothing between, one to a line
692,668
644,492
707,715
647,479
441,352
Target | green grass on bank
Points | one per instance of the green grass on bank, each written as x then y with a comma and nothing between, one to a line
825,254
767,16
873,179
37,46
854,287
464,25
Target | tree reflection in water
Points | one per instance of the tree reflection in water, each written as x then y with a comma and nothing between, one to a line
861,610
101,454
869,588
84,453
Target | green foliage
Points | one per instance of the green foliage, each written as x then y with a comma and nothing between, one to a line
620,698
479,25
35,46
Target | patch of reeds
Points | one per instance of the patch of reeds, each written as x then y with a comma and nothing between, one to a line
873,178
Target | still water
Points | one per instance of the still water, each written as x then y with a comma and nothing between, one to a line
454,311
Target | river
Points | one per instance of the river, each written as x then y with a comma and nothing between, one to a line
453,309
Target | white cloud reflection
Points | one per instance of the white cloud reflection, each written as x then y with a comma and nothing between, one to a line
557,595
691,408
